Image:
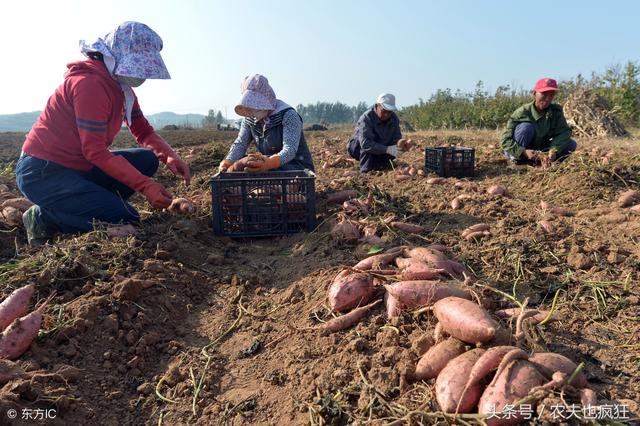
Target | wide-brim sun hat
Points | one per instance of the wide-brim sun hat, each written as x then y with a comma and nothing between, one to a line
388,101
136,49
257,94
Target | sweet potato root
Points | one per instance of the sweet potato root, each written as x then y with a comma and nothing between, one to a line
437,357
436,180
11,216
347,320
451,380
349,290
419,293
548,363
465,320
341,196
478,227
15,305
476,235
534,316
409,228
498,190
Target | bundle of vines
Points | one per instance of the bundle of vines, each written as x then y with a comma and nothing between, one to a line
590,115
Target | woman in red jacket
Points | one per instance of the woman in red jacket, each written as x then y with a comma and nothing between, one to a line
66,168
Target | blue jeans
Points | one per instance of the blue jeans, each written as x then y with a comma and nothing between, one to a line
69,201
525,133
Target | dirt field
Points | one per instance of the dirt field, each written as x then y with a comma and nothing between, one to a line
209,323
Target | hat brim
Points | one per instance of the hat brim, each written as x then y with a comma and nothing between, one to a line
547,89
147,65
389,107
252,100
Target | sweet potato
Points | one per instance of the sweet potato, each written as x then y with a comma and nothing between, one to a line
489,361
629,198
560,211
409,228
378,260
393,306
11,215
547,226
400,178
435,359
436,180
345,230
341,196
181,205
347,320
15,305
456,203
465,320
419,293
451,380
512,355
438,247
17,338
512,384
548,363
419,270
498,190
635,209
476,234
425,254
21,203
350,289
475,228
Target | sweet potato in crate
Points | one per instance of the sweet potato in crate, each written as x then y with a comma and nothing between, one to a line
450,161
263,204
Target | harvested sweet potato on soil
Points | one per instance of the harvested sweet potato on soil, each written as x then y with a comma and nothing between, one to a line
341,196
548,363
629,198
350,289
451,381
437,357
15,305
419,293
465,320
181,205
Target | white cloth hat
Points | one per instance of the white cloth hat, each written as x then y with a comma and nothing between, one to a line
388,101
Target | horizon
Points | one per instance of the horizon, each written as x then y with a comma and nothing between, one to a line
416,48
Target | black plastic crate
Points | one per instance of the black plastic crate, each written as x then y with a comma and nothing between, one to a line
450,161
263,204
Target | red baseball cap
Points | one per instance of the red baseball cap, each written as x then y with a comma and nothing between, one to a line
546,85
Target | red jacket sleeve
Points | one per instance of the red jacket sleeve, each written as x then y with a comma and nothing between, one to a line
93,108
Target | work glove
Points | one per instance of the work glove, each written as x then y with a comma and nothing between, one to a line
224,165
157,195
392,150
269,163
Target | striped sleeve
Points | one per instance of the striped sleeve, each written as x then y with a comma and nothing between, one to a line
291,131
241,144
92,107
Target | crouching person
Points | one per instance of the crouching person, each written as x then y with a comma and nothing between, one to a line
537,132
274,126
66,168
375,140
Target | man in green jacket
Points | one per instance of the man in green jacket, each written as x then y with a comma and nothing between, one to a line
537,132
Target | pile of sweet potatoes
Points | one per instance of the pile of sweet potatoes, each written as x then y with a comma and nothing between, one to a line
493,374
405,277
12,208
18,328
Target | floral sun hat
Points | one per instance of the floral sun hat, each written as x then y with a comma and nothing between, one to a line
256,94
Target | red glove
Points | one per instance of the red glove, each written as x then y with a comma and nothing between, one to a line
157,195
120,169
269,163
163,151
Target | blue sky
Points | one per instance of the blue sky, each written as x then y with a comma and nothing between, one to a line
320,50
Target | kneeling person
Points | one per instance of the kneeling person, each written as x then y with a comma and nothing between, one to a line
537,132
274,126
